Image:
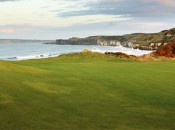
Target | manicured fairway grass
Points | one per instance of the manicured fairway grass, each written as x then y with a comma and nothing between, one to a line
87,91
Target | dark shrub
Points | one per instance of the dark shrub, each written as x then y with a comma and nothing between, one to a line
167,50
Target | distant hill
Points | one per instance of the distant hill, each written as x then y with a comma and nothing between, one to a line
23,41
144,41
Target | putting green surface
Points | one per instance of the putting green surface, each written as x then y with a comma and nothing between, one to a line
88,91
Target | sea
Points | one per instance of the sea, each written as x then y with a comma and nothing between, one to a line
38,50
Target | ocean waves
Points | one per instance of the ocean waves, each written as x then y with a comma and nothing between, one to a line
21,51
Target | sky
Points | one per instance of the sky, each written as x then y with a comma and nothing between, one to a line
62,19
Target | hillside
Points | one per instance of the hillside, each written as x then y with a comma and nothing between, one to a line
142,41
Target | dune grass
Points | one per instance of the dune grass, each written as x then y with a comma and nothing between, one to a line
87,91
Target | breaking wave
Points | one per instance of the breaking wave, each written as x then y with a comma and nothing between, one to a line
129,51
31,57
22,51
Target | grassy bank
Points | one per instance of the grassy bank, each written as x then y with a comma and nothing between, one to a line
87,91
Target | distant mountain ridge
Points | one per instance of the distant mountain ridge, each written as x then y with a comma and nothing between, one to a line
143,41
23,41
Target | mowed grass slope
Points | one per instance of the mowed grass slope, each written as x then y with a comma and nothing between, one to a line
87,91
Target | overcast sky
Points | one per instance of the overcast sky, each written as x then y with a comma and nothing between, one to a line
53,19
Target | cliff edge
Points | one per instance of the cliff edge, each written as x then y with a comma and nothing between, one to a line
143,41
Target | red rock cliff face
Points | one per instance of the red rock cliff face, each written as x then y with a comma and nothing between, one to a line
167,51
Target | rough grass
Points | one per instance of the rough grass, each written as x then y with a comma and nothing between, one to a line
87,91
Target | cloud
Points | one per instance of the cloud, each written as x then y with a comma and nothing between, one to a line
7,30
19,27
31,31
170,3
132,8
7,0
67,18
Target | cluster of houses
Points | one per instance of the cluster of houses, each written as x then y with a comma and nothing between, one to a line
170,35
151,46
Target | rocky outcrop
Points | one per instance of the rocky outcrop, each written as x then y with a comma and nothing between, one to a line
141,41
108,42
94,40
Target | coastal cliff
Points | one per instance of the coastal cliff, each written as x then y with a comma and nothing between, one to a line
143,41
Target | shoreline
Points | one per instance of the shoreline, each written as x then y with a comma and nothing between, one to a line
45,56
118,55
